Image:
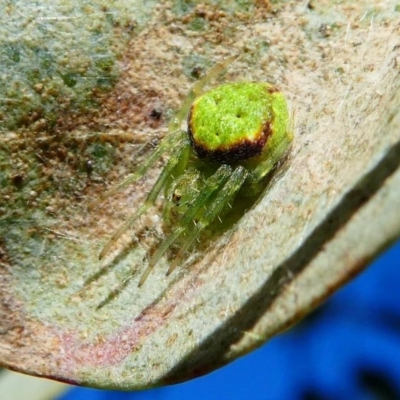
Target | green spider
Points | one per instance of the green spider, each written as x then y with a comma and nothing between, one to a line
236,134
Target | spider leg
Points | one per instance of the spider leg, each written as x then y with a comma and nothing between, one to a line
197,90
227,184
224,196
213,184
276,154
160,251
151,197
167,143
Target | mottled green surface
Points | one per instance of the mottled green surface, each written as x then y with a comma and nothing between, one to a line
58,56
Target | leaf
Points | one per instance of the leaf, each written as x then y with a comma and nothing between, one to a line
332,206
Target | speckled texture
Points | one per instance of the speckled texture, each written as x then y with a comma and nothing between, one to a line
58,56
327,212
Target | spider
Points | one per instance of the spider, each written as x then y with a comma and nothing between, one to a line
236,134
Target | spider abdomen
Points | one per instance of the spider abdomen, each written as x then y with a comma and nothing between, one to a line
232,122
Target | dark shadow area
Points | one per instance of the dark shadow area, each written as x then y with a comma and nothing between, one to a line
377,385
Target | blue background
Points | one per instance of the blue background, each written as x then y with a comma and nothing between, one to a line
349,348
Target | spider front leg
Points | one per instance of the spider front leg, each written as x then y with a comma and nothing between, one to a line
222,187
257,176
170,141
178,156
